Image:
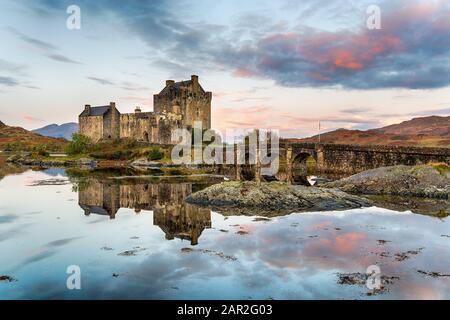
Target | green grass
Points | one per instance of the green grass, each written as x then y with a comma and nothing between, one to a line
443,168
113,150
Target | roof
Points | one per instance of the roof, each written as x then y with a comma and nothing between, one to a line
95,111
177,86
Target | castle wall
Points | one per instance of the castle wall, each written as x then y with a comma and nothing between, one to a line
139,126
111,125
92,127
190,100
176,218
193,107
179,105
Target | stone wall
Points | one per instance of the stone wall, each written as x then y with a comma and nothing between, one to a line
92,127
353,159
189,99
176,218
112,120
349,159
149,127
139,126
179,105
111,123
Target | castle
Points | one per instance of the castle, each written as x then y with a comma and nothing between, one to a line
177,106
176,218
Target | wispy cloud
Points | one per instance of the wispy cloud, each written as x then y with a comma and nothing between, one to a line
7,66
102,81
47,49
356,110
8,81
125,85
435,112
62,58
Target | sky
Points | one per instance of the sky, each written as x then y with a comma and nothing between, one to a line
282,65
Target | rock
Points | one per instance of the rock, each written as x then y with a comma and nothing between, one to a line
86,162
13,158
145,163
419,181
5,278
439,208
434,274
361,279
274,197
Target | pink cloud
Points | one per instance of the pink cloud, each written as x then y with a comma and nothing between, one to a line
244,73
29,118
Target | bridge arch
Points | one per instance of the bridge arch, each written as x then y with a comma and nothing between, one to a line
248,169
299,167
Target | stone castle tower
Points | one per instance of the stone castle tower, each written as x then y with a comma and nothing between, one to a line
178,105
186,98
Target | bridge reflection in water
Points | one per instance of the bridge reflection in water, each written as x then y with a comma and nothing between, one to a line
176,218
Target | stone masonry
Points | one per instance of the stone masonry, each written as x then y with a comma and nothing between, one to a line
178,105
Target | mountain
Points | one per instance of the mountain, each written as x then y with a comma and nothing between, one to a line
2,124
17,138
430,126
58,131
430,131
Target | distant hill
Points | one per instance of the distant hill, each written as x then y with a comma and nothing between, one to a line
2,124
430,131
17,138
58,131
430,126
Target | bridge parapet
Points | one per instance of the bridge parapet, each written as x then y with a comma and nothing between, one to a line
349,159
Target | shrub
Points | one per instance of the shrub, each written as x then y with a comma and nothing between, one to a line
78,145
155,154
399,138
112,155
41,149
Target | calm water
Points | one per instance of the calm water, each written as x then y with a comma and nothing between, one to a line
136,239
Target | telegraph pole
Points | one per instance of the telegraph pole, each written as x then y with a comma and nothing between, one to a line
319,131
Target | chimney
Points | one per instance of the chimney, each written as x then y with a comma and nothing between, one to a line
112,105
194,79
137,110
87,107
169,82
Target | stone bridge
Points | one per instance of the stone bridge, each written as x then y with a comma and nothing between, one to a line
341,158
347,159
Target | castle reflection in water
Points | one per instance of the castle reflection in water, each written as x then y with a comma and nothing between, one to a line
176,218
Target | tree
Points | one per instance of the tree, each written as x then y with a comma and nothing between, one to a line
78,145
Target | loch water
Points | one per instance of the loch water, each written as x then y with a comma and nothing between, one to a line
137,239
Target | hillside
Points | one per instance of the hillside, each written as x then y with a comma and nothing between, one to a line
427,131
430,126
17,138
58,131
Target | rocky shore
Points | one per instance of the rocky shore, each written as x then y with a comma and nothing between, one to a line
417,181
274,197
28,161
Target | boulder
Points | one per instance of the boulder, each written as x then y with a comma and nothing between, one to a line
274,197
418,181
